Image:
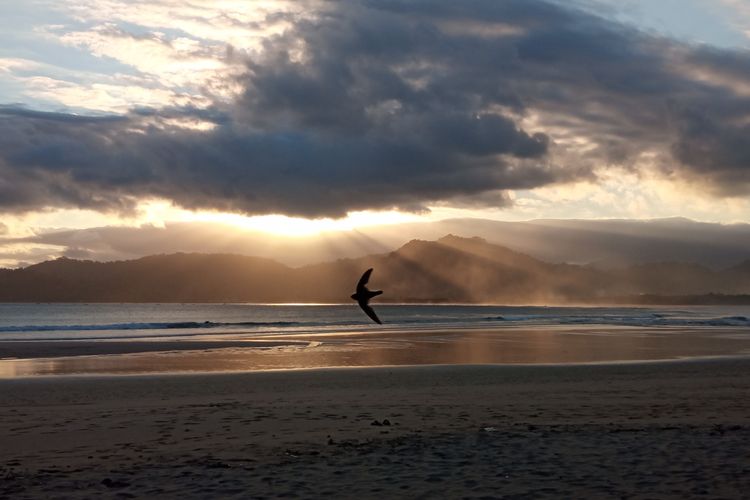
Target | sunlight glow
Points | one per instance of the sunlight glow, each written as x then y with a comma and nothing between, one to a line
282,225
157,212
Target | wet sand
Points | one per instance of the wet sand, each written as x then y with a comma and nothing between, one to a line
70,348
249,352
643,430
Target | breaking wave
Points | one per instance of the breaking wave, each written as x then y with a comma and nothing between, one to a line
180,325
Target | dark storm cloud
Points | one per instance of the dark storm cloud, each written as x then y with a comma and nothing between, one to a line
401,104
716,151
96,165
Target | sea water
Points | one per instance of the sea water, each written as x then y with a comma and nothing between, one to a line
97,339
175,321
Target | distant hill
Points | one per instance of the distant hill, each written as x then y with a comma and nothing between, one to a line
606,244
452,269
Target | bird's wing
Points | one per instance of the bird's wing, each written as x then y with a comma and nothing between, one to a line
368,311
364,279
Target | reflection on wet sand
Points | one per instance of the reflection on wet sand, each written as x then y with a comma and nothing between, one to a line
499,346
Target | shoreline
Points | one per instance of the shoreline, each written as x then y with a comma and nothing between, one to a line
698,360
11,350
537,369
436,346
638,300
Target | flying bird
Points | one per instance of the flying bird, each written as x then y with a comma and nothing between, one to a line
363,296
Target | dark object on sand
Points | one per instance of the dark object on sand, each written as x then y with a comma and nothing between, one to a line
385,422
364,295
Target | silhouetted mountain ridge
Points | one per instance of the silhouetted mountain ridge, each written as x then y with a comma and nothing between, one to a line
606,244
452,269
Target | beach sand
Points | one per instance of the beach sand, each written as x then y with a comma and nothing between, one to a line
641,430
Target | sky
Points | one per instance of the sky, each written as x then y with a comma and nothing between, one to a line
298,117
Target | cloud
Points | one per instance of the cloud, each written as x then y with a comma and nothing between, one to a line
103,97
9,64
173,61
237,22
740,14
375,105
14,255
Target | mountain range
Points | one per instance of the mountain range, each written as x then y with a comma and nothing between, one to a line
606,244
451,269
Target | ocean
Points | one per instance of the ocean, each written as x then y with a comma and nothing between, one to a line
212,321
118,339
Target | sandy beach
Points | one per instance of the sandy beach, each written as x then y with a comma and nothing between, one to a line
330,249
634,430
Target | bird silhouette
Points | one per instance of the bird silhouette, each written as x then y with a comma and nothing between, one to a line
363,296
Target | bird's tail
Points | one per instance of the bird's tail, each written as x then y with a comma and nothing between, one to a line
375,293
